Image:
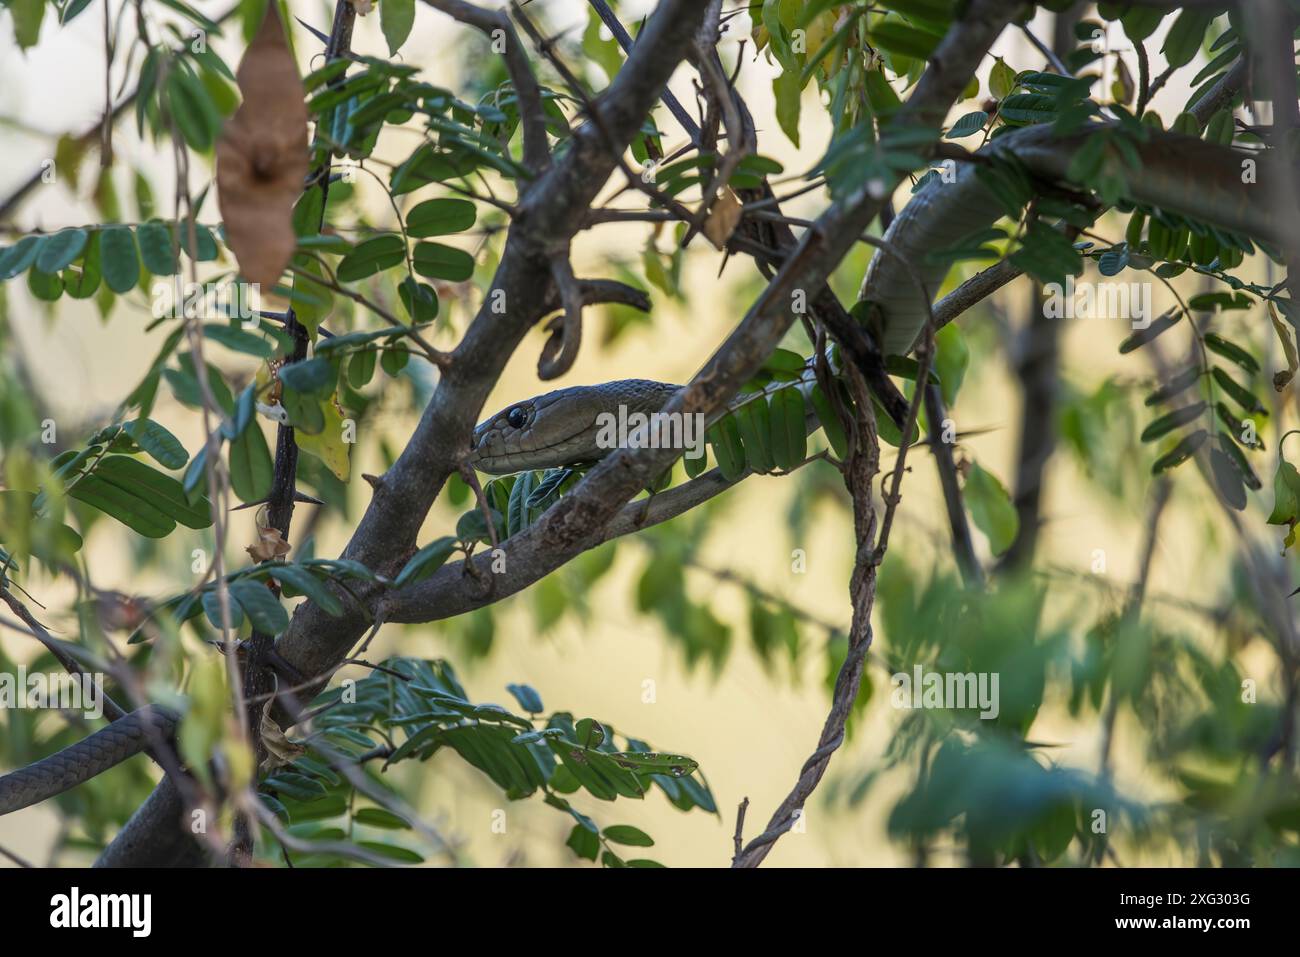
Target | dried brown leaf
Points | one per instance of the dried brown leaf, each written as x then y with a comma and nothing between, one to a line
270,544
279,749
723,219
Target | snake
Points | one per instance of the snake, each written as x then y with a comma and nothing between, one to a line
1177,173
91,756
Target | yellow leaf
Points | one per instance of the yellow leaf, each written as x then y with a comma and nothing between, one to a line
330,445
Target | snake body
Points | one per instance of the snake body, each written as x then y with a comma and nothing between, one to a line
1179,174
87,758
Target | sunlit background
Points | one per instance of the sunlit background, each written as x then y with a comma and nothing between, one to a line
750,720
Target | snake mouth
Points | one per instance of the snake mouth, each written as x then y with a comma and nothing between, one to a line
502,462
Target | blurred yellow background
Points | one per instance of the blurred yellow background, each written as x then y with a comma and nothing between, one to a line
750,730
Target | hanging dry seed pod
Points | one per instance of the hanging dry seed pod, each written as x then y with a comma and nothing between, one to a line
262,157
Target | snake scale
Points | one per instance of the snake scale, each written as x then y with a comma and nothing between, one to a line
89,757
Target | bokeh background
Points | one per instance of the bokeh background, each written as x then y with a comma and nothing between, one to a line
750,720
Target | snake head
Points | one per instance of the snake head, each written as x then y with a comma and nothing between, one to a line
559,428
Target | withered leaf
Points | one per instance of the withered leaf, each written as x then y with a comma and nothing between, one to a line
262,157
279,749
270,545
723,218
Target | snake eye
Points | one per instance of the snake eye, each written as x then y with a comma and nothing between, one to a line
517,417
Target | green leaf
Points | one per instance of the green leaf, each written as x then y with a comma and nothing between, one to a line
316,376
968,125
894,36
1140,22
60,249
402,855
426,561
260,605
1286,495
1240,394
656,762
1180,453
204,244
436,261
754,420
18,257
396,18
881,97
192,109
212,608
527,697
787,88
789,437
831,425
307,584
81,280
1230,351
251,468
950,361
1002,79
1054,831
728,447
438,217
1228,479
394,358
361,367
589,732
1176,385
370,257
378,817
132,511
119,258
517,511
1143,336
418,299
164,447
156,249
991,509
1167,423
27,16
1238,459
1028,108
239,340
155,488
629,835
585,843
1185,36
548,489
47,287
